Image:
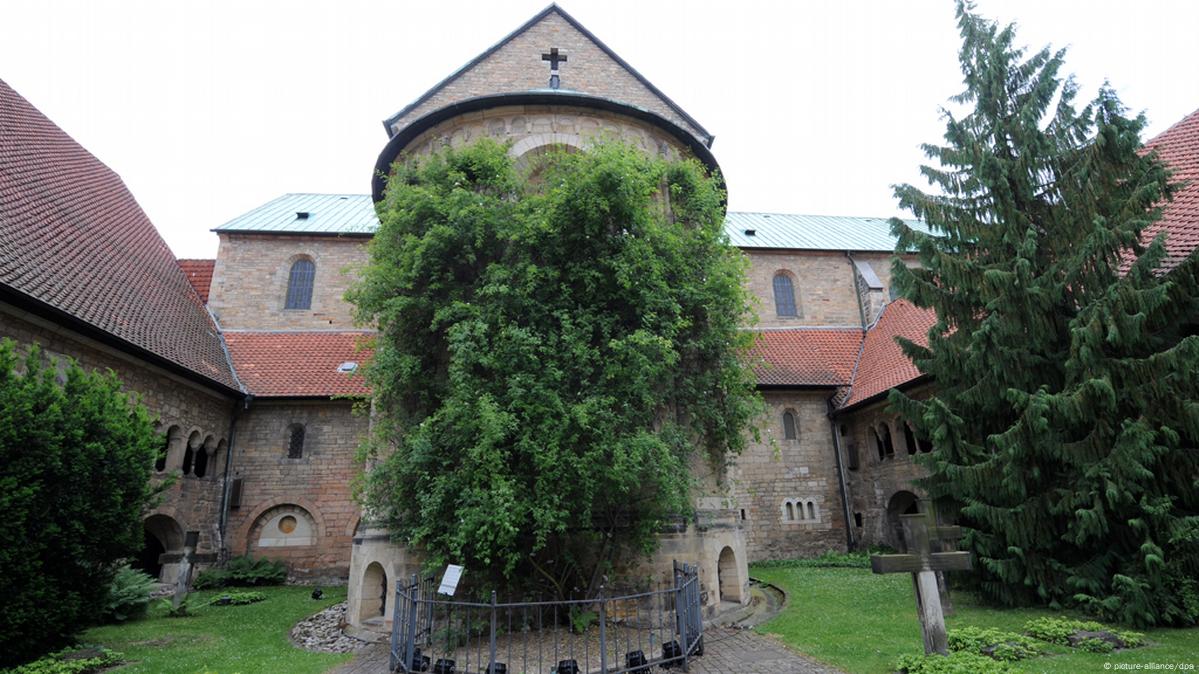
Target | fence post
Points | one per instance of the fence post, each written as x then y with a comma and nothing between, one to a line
410,647
680,601
603,618
491,662
394,652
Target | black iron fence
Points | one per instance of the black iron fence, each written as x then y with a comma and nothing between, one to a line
631,633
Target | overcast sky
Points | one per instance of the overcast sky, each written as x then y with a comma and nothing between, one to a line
208,109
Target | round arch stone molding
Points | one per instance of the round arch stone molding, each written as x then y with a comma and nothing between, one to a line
244,541
515,117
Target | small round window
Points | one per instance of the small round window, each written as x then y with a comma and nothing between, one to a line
287,524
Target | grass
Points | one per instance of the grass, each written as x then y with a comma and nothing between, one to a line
222,639
863,622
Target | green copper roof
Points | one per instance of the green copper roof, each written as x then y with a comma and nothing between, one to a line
354,215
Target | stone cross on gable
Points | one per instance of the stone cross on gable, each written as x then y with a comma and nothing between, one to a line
554,58
920,531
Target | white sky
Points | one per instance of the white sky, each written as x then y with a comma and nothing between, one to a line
208,109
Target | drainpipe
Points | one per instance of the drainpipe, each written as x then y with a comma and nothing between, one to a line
850,542
238,406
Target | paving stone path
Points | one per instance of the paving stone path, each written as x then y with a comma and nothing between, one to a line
727,651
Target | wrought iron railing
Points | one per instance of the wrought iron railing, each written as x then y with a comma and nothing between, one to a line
630,633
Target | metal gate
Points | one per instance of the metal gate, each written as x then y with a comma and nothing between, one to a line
630,633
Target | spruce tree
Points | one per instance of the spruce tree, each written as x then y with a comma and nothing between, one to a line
1065,418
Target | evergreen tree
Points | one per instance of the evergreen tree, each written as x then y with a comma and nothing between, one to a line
75,460
1065,418
556,344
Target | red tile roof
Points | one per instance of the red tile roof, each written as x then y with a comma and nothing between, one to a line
806,356
882,365
199,274
298,364
1178,146
74,238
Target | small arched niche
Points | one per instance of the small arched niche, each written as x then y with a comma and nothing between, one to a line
285,526
373,601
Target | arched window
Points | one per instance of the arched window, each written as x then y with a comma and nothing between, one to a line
784,295
160,464
925,444
189,455
790,511
909,439
789,432
878,443
888,446
295,441
200,467
811,510
299,284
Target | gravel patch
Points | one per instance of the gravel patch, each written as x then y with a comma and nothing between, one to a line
322,632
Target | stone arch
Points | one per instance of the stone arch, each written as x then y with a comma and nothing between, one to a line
162,535
247,526
728,576
900,503
284,526
173,439
372,602
540,143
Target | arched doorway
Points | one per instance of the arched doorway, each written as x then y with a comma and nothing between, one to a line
162,535
373,601
901,503
728,579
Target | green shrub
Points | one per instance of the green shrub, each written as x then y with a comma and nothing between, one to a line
82,660
995,643
62,427
242,572
128,595
237,599
1059,630
957,662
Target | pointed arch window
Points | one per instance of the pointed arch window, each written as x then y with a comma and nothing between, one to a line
789,431
784,295
299,284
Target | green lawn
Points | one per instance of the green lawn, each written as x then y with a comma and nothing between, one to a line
863,622
222,639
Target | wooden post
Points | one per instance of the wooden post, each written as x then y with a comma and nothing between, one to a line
924,564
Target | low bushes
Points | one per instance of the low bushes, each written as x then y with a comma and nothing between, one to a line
237,599
82,660
1087,635
993,643
128,596
242,572
957,662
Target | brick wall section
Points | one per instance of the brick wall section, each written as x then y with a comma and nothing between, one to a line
249,281
776,470
192,502
320,482
517,66
876,481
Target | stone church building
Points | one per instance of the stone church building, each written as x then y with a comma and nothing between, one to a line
251,360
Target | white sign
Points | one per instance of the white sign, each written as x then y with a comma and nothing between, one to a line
449,582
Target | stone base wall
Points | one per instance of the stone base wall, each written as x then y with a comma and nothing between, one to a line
199,414
315,488
786,490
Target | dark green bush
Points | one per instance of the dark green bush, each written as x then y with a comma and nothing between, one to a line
83,660
242,572
75,459
850,560
128,595
957,662
238,599
1059,630
994,643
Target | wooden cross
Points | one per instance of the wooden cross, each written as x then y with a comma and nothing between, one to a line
924,564
554,58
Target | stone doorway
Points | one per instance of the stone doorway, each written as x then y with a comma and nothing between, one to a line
901,503
728,580
162,535
373,601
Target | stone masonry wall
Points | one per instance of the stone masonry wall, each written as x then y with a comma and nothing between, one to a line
824,287
877,480
198,412
249,281
319,482
776,471
517,66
